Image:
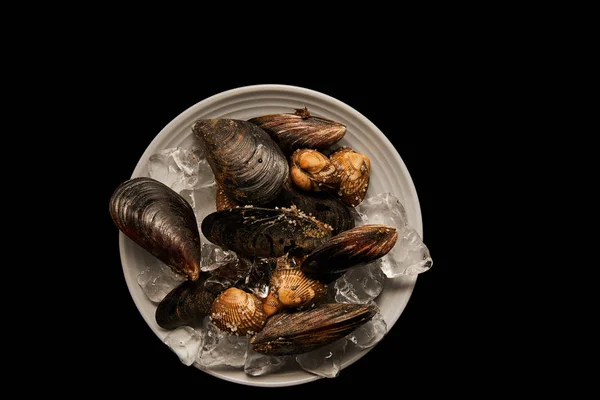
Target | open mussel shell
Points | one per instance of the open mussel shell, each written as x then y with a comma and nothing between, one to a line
187,304
293,289
264,232
159,220
247,164
238,312
354,169
299,332
351,248
300,130
312,170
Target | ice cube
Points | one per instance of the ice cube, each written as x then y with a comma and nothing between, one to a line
258,364
360,284
220,348
257,279
185,342
409,256
384,208
214,257
157,280
180,169
370,333
203,201
228,275
325,361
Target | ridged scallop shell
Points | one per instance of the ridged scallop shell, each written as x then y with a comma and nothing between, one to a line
159,220
186,304
300,130
354,170
264,232
312,170
294,289
247,164
299,332
351,248
238,312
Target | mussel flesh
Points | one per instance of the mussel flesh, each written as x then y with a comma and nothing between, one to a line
299,332
264,232
247,164
186,304
300,130
354,170
351,248
159,220
238,312
312,170
290,287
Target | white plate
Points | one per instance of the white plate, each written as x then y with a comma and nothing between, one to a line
388,174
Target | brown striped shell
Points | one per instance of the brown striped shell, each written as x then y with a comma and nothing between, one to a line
312,170
354,170
351,248
238,312
292,288
300,130
224,201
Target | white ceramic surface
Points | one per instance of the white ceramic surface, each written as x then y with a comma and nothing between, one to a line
388,173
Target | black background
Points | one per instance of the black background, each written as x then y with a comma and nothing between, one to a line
425,121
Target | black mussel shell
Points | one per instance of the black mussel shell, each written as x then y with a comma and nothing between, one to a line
187,304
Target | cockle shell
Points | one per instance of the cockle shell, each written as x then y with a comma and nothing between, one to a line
292,288
351,248
354,170
159,220
303,331
300,130
312,170
264,232
247,164
238,312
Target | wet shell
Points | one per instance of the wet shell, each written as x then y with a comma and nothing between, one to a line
300,130
159,220
225,202
303,331
238,312
354,170
292,288
247,164
264,232
312,170
187,304
351,248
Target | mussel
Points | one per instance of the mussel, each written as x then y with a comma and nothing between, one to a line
224,201
290,287
247,164
264,232
238,312
186,304
300,130
299,332
312,170
159,220
354,169
351,248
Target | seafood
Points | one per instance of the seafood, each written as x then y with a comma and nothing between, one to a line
186,304
302,331
300,130
354,170
351,248
224,201
264,232
238,312
247,164
290,287
159,220
312,170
